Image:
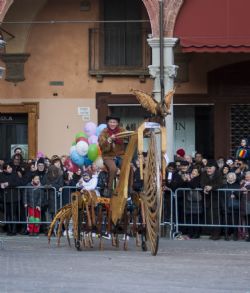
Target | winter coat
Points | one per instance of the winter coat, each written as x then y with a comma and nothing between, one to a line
230,199
177,181
216,181
114,149
41,175
245,200
74,180
194,198
88,185
10,194
51,182
34,196
102,181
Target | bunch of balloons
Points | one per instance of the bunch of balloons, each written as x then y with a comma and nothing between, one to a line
85,149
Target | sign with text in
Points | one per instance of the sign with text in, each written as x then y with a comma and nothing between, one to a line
84,112
152,125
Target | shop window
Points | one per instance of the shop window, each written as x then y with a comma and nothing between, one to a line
13,133
239,122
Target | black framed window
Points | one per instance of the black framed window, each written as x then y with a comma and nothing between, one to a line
122,41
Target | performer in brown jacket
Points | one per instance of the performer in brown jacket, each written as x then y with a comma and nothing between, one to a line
112,148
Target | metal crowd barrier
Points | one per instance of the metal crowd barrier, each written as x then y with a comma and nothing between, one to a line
12,203
13,211
65,194
223,208
183,209
167,217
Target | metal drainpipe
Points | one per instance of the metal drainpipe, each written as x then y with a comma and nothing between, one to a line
161,5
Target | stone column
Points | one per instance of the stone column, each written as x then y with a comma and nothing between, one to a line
170,72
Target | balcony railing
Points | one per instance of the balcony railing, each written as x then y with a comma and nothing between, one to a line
119,52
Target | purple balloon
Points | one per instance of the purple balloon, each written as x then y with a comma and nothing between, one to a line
90,128
93,139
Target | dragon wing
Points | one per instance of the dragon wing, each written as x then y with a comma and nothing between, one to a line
168,99
145,100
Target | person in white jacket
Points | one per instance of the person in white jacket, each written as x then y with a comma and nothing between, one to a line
88,182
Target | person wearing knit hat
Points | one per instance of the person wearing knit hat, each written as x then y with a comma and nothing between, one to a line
88,182
40,161
180,153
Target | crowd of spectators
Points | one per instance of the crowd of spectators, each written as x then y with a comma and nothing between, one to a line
210,205
185,172
49,173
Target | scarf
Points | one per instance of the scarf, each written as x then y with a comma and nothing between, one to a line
115,131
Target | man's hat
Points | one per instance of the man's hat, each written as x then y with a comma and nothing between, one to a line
113,117
184,163
212,163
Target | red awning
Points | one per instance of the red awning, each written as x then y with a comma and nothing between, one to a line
214,26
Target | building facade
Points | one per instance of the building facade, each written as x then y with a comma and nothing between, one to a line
70,61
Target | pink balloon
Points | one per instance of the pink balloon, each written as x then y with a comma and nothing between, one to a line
93,139
40,155
90,128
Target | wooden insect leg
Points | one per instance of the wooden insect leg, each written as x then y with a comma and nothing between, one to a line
99,225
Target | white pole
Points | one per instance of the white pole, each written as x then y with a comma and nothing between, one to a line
170,72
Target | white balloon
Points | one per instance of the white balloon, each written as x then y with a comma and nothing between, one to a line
82,148
99,162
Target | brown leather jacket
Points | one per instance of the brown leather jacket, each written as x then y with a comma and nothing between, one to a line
110,150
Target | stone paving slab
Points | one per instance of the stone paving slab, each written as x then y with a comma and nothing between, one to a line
29,265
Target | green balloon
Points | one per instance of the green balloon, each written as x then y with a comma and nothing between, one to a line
92,152
37,220
81,134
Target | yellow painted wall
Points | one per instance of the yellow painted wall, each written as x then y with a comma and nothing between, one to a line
59,52
58,122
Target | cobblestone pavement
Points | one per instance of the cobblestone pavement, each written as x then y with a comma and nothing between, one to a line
29,265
